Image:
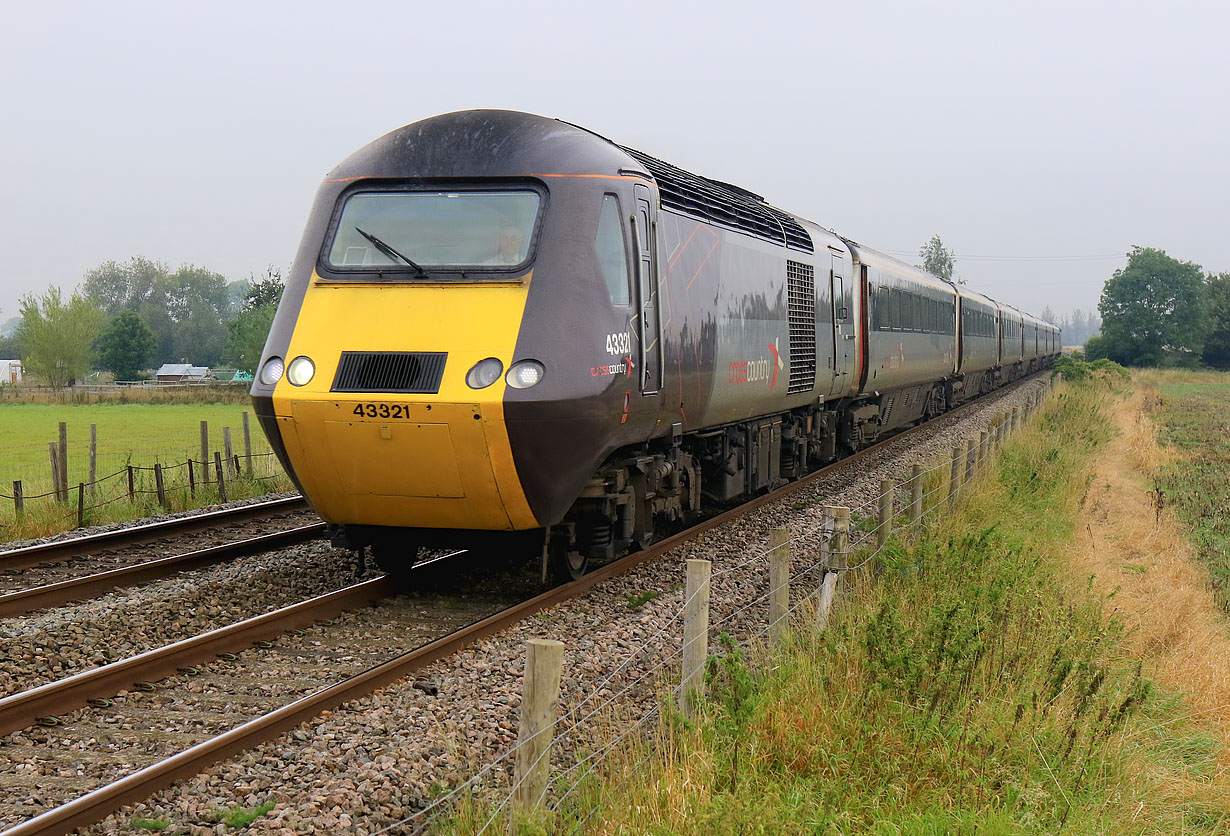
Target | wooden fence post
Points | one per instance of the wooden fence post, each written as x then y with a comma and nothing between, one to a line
971,460
827,589
982,451
19,500
63,451
191,479
695,634
218,473
230,455
840,547
954,481
779,583
247,445
132,487
93,458
158,485
205,450
55,468
544,659
884,527
916,493
80,504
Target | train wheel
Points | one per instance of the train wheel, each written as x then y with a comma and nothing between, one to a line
567,563
396,559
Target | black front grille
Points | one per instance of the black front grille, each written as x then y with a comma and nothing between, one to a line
414,372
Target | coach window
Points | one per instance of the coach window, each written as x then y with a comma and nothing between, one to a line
612,252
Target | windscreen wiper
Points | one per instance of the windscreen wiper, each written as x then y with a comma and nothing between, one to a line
388,250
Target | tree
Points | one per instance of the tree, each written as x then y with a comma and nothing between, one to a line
1217,346
58,336
251,328
1048,315
938,259
248,333
186,310
116,287
264,291
1152,308
126,346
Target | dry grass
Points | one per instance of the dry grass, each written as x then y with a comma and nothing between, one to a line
1138,553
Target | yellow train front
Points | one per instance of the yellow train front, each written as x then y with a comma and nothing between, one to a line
429,378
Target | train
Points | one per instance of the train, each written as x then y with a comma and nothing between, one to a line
509,332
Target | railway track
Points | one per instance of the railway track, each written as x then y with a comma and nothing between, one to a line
102,544
77,588
146,780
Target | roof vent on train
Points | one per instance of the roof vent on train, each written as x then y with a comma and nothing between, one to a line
722,203
411,372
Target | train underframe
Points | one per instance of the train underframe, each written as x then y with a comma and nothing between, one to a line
643,492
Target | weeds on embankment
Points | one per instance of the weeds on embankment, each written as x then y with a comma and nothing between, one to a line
967,689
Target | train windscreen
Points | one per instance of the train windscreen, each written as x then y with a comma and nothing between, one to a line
412,232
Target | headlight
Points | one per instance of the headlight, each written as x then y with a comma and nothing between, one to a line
484,373
271,372
525,374
300,371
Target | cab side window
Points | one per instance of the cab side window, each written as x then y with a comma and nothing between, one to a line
612,252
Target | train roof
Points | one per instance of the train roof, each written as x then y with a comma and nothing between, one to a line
506,143
884,261
484,143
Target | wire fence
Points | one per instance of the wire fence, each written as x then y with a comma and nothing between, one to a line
612,711
137,465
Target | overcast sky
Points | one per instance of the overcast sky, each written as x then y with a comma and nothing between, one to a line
1040,141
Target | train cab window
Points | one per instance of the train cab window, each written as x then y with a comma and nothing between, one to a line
612,251
407,234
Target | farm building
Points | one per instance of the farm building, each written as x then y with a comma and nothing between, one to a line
10,371
181,373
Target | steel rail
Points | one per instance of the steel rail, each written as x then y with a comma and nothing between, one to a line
20,710
56,550
99,804
91,586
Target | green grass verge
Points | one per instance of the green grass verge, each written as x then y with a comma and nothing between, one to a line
966,690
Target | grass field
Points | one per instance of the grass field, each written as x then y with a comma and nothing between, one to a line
1192,410
137,434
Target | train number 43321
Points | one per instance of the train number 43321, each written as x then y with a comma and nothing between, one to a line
381,410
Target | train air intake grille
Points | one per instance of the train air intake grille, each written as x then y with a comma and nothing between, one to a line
413,372
801,303
723,203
